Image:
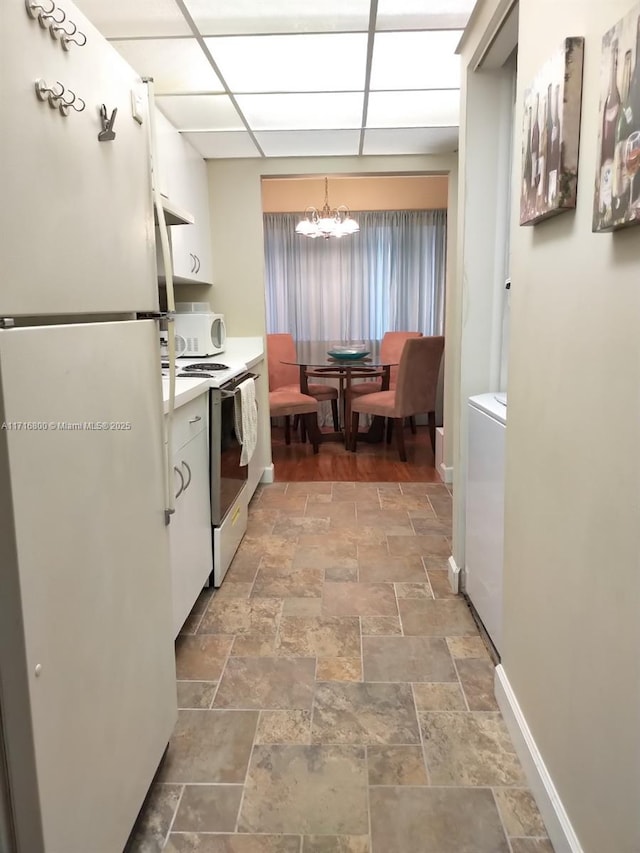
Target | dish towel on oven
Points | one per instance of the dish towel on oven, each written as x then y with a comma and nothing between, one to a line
246,418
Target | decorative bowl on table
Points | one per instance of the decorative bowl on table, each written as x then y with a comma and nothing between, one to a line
349,351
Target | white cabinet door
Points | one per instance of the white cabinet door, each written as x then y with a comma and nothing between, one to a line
183,179
190,532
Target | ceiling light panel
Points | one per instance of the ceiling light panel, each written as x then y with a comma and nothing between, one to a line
222,143
295,63
411,140
414,109
200,112
423,14
416,60
228,17
176,65
302,112
309,143
124,19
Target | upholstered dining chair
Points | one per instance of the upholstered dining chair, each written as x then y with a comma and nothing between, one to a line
390,350
281,348
285,402
414,394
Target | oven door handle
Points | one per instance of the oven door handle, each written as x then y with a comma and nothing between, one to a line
227,394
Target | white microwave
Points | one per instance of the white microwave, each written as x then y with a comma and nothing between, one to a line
204,332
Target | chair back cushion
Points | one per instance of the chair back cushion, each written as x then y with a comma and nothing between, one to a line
282,347
391,350
417,384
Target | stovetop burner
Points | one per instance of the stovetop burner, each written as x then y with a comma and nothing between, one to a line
201,365
206,365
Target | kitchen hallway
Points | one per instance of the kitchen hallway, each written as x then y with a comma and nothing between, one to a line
335,696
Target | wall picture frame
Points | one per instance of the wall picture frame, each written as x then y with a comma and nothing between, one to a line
552,107
616,199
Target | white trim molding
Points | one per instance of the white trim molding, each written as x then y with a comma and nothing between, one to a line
268,475
446,473
556,820
454,575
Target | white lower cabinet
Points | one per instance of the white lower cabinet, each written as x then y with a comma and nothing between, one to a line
190,533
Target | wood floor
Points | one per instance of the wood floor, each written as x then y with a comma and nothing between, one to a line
372,463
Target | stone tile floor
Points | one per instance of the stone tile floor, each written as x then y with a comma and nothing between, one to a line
335,696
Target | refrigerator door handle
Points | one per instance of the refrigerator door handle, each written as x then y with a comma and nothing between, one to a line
188,483
171,303
182,485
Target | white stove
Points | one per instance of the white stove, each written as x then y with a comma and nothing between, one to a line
215,370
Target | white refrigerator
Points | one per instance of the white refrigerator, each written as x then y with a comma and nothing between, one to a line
87,673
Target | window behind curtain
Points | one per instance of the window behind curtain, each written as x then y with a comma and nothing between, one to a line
388,277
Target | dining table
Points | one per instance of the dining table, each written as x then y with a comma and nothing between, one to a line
315,361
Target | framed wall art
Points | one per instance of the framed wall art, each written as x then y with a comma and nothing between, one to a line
616,202
551,135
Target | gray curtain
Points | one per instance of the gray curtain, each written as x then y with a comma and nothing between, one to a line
388,277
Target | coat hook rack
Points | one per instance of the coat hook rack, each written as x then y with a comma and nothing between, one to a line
107,134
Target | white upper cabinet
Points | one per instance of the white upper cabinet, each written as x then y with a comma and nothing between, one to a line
182,176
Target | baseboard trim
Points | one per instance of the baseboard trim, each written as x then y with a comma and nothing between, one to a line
268,475
446,473
454,575
561,832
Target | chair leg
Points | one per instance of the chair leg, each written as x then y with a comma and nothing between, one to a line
334,412
311,422
287,430
400,438
355,418
389,429
303,429
432,430
412,424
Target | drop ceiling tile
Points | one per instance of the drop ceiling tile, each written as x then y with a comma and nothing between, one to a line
302,112
414,109
415,60
411,140
200,112
423,14
222,143
226,17
126,19
176,65
292,63
309,143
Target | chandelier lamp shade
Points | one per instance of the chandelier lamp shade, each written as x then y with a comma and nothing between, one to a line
328,222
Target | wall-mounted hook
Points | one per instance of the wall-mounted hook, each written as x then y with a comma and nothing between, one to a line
107,134
34,10
69,40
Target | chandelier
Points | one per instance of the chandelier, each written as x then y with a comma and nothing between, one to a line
327,222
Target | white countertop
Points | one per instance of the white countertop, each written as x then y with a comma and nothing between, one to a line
240,354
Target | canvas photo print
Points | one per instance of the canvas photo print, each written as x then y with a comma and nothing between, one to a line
551,135
616,202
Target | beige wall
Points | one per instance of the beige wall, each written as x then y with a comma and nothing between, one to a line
572,542
381,192
237,235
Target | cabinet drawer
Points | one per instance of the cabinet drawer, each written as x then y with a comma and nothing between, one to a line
190,419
